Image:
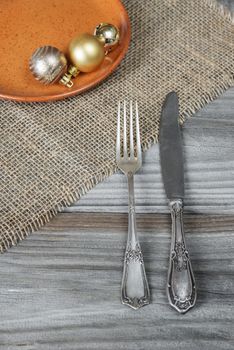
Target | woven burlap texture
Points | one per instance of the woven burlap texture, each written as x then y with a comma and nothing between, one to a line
52,153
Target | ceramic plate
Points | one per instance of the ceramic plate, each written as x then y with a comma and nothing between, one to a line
26,25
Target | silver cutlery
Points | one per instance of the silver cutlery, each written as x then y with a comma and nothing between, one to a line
134,290
181,288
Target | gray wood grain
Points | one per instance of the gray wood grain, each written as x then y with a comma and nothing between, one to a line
60,289
228,3
209,169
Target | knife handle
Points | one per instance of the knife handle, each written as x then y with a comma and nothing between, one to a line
181,288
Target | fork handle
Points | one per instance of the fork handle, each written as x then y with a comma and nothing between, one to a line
181,288
135,290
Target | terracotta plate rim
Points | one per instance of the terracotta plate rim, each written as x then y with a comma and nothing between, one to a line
92,84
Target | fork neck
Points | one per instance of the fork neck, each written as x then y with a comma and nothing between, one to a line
132,234
131,200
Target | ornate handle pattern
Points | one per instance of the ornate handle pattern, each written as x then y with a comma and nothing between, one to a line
181,288
135,290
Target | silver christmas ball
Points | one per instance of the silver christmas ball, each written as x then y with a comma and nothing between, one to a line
48,64
108,34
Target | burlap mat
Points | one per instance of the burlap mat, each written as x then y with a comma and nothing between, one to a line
52,153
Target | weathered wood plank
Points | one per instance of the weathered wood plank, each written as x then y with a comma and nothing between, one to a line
228,3
61,286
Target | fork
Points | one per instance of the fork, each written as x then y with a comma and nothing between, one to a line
134,290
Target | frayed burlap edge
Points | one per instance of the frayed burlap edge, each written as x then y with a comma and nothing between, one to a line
76,195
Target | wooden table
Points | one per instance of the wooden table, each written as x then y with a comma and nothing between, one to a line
60,288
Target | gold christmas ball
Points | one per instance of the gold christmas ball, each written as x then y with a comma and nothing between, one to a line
108,34
86,52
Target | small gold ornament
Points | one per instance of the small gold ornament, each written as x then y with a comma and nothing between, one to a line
108,34
86,52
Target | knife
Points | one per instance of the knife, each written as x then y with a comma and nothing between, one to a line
181,288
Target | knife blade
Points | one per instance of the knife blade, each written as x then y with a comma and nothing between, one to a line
171,152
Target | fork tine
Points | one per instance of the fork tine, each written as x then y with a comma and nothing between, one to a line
118,133
138,139
131,133
125,150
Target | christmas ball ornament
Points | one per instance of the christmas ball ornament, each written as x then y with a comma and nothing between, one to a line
48,64
108,34
86,52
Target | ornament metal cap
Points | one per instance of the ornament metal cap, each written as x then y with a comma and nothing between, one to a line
66,80
72,72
